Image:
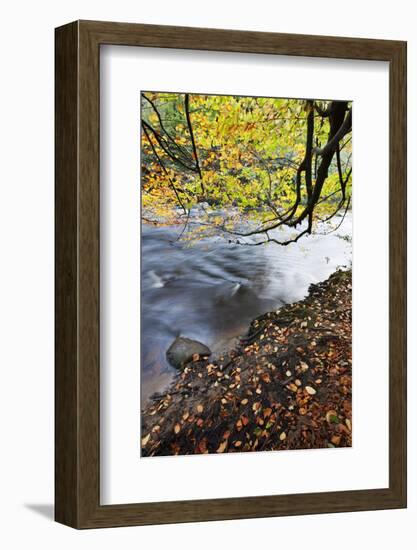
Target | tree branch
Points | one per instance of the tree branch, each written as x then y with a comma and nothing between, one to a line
190,129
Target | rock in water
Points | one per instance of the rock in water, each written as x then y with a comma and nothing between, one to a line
182,350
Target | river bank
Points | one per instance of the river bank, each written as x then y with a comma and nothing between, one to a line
211,291
287,385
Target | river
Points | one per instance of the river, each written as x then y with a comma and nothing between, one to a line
212,290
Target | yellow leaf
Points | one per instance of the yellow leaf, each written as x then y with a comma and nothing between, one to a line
310,390
145,440
200,408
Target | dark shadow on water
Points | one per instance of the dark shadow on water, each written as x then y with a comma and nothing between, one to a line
45,510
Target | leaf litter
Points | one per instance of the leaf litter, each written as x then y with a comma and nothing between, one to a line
288,385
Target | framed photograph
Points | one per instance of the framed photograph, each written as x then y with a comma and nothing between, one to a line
230,274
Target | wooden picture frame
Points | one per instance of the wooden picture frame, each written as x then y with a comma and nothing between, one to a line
77,406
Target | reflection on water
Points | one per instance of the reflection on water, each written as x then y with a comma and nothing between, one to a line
212,290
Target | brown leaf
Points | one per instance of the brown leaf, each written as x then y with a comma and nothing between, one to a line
177,428
200,408
335,439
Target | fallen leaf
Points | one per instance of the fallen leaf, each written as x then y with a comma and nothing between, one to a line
310,390
267,412
283,436
200,408
331,417
177,428
335,439
238,443
145,440
222,447
244,401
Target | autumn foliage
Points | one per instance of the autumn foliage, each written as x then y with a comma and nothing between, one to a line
271,163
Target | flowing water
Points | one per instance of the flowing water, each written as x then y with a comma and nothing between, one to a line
212,290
